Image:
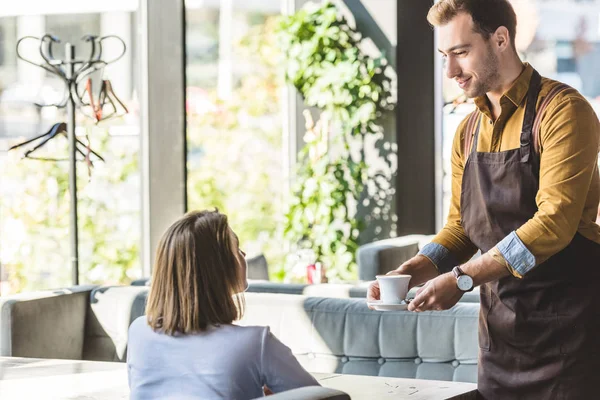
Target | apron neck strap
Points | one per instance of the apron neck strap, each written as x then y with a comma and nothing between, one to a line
528,120
476,135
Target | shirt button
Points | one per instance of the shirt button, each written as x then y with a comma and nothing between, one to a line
418,360
491,122
381,361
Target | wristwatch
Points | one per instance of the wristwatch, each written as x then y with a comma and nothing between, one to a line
463,281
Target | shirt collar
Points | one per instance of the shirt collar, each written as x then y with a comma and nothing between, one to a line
515,94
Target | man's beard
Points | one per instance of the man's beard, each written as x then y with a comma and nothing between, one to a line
488,77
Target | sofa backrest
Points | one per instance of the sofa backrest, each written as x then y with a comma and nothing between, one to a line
386,255
44,324
332,335
344,336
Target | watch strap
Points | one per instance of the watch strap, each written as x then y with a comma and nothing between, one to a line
457,271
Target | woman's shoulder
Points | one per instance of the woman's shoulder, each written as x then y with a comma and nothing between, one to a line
139,323
247,330
248,335
239,333
139,327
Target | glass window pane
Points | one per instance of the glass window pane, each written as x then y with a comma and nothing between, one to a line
234,119
34,199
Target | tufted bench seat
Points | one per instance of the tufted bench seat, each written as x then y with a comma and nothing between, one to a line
332,335
344,336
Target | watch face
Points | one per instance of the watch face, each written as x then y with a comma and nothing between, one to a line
464,283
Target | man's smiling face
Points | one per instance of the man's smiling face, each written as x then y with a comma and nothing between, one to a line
469,57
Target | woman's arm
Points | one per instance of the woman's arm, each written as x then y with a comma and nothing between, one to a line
281,371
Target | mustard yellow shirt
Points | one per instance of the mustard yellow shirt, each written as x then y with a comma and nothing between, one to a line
569,187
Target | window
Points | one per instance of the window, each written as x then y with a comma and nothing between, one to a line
34,200
234,119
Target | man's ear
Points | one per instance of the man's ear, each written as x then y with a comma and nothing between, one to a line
501,38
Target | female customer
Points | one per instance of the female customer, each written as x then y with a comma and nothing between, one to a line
187,347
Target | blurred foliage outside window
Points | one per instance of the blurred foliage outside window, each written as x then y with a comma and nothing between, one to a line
235,152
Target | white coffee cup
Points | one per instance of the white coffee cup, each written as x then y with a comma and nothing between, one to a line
393,288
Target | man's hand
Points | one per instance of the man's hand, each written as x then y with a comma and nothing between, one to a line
419,267
438,294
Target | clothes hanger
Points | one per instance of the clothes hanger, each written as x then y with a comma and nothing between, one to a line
95,105
106,106
55,130
109,97
52,132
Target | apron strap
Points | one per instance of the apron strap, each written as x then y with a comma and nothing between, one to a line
540,113
475,137
470,133
530,114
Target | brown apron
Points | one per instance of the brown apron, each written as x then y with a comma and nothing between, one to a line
539,336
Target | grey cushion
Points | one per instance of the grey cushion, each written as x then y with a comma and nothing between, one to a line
344,336
386,255
45,324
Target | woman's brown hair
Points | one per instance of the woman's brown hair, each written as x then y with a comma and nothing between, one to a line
197,276
488,15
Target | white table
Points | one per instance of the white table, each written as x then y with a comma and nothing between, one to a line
31,378
361,387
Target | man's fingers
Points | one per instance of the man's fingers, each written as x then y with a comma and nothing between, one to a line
373,293
427,304
420,290
420,298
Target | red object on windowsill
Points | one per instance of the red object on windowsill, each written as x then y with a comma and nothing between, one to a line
311,272
315,273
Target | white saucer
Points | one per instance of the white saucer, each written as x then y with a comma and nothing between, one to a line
379,306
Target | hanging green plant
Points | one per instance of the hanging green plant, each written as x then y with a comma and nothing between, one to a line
324,61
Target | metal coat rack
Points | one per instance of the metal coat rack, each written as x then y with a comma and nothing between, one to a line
72,71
